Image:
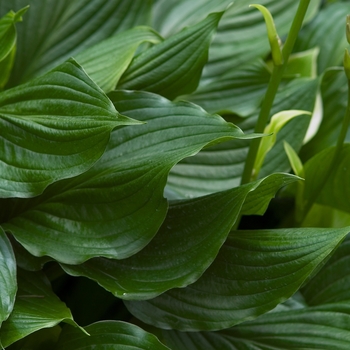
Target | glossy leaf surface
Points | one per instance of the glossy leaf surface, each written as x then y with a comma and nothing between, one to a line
66,28
186,244
253,272
106,61
8,280
111,335
116,208
36,307
173,67
332,283
220,167
54,127
325,328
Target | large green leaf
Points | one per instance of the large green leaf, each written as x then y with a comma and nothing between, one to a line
253,272
173,67
325,327
54,30
36,307
8,280
241,34
237,91
53,127
332,187
111,335
220,167
327,32
106,61
332,283
185,245
116,208
333,91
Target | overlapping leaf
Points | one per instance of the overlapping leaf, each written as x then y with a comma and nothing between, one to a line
332,283
238,91
111,335
106,61
8,280
324,327
36,307
185,245
333,92
173,67
53,127
220,167
66,28
253,272
327,32
332,186
241,34
8,37
116,208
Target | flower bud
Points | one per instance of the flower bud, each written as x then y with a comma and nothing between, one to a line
348,28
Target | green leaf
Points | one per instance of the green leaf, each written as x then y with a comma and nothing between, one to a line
254,271
185,245
111,335
116,208
36,307
327,32
66,28
170,16
332,283
8,34
325,327
336,189
277,122
220,167
237,91
333,92
8,280
173,67
53,127
242,35
106,61
274,39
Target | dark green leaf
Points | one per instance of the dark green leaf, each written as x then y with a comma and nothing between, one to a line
106,61
333,189
111,335
238,91
53,127
242,36
36,307
220,167
323,328
333,91
116,208
54,30
253,272
327,32
173,67
332,283
185,245
8,281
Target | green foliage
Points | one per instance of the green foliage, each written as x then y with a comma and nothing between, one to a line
127,219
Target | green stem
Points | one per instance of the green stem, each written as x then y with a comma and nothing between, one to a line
335,160
272,88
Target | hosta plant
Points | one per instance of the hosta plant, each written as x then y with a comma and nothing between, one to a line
174,174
